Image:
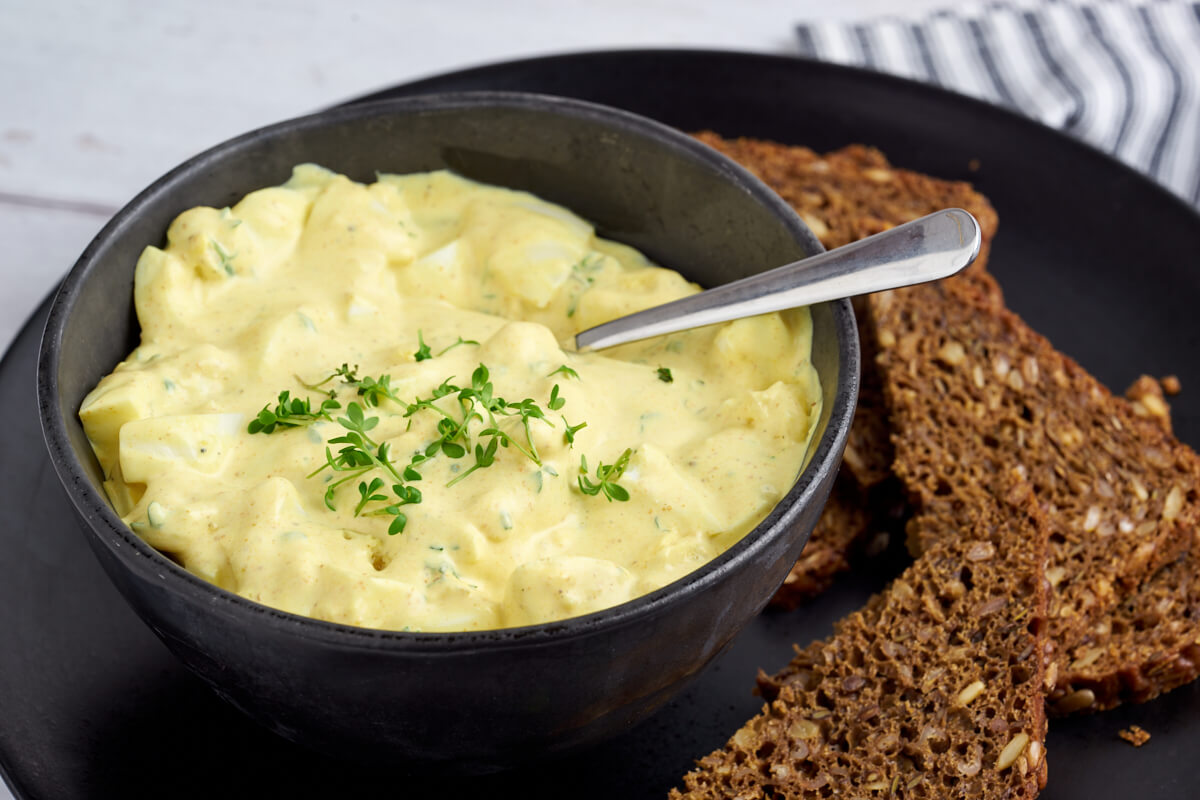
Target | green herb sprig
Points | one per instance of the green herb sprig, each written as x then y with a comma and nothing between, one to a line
461,341
607,476
570,431
478,402
345,371
360,455
373,391
291,412
424,353
565,371
459,408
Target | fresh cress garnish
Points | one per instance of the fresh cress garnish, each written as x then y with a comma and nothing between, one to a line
607,476
468,427
424,353
291,412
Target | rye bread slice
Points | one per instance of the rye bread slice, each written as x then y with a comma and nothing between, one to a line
1150,643
850,193
933,690
855,527
971,390
846,519
846,195
1147,645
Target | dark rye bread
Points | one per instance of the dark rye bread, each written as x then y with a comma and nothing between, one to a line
843,196
1151,641
855,527
850,193
933,690
844,521
1147,645
972,390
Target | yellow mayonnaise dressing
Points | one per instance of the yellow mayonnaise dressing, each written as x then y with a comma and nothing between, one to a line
296,280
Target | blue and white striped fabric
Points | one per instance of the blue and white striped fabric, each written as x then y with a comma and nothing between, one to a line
1123,75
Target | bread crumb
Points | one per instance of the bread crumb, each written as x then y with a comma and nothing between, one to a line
1171,385
1135,735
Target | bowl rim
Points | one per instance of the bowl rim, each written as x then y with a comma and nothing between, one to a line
103,526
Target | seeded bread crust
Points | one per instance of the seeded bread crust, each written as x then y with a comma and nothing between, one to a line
971,389
933,690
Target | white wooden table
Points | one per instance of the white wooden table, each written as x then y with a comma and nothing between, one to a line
97,99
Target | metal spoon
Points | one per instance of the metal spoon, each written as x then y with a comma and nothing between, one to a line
925,249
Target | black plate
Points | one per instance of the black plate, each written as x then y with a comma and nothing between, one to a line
1095,256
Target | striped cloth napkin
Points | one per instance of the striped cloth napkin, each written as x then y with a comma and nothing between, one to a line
1123,75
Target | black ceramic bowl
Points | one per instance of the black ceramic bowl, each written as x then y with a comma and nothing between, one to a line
475,700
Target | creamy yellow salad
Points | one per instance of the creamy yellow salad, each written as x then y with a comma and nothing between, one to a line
360,403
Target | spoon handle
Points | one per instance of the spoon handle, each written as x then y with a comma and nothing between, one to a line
932,247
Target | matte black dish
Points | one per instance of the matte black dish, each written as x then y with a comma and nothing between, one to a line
93,706
478,700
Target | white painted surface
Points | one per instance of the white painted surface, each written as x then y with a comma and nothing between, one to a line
99,98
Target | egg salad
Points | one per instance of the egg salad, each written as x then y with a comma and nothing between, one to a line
360,403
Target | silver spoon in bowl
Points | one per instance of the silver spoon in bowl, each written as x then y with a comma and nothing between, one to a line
926,249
